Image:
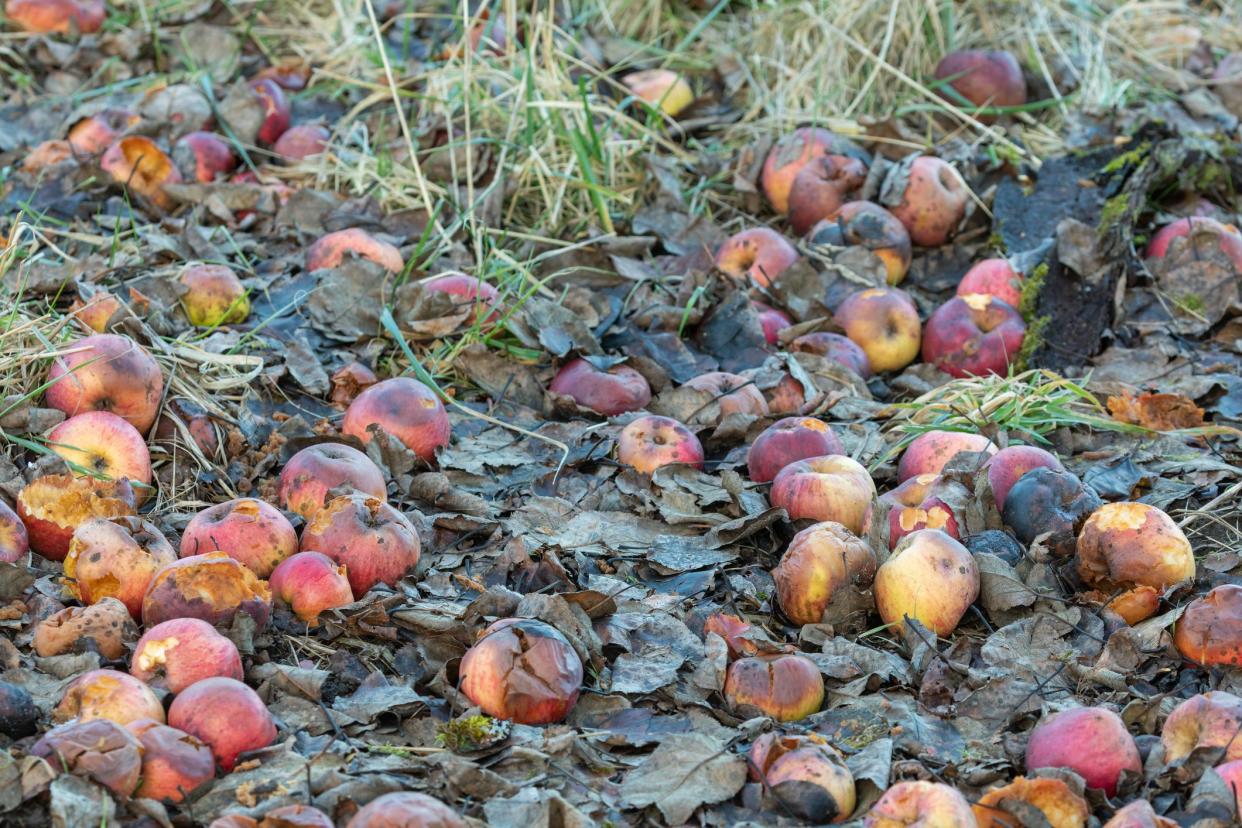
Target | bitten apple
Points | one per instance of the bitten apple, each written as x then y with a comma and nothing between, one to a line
1208,720
181,651
1209,632
115,558
993,277
912,507
108,694
53,506
212,586
661,88
921,804
651,441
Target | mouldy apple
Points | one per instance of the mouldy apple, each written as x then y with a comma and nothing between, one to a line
115,558
1209,633
225,714
973,335
107,623
522,670
53,506
652,441
864,224
107,372
805,774
108,694
1139,814
1053,798
174,763
14,542
1091,741
405,409
1049,501
102,445
933,201
821,561
885,324
930,578
760,254
792,153
912,507
608,392
212,586
731,393
787,440
247,529
1204,234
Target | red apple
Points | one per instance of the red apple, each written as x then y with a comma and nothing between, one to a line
247,529
973,335
95,133
405,809
56,16
931,451
302,141
174,763
1204,234
1007,466
181,651
139,165
732,394
821,188
912,507
651,441
522,670
993,277
1091,741
985,79
375,542
840,349
203,156
792,153
316,470
772,320
933,202
275,109
920,804
211,586
784,686
53,506
787,440
615,391
310,583
406,409
331,249
470,292
102,445
107,372
225,714
760,254
834,487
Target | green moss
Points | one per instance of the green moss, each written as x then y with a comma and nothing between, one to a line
470,733
1191,302
1133,157
1031,287
1032,342
1116,209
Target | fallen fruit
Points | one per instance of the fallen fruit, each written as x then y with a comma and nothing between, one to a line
312,473
332,248
912,507
302,141
94,134
821,188
177,653
1204,233
792,153
225,714
107,623
138,164
865,224
19,717
609,392
833,487
213,296
993,277
174,763
1208,720
1049,501
1052,798
212,586
930,578
885,324
53,506
404,809
840,349
115,558
788,440
772,321
1091,741
1139,814
108,694
931,451
1209,633
375,542
310,583
973,335
482,298
247,529
821,561
14,541
664,89
107,372
784,686
919,804
407,410
203,157
276,115
652,441
984,79
1007,466
759,254
731,394
97,749
522,670
56,16
933,202
104,446
805,774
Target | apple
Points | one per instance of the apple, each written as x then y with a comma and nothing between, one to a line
920,804
275,105
930,578
522,670
985,79
840,349
406,409
652,441
225,714
310,583
95,133
933,202
661,88
821,188
1204,233
302,141
375,542
912,507
115,558
203,156
1091,741
885,324
138,164
53,506
102,445
213,296
865,224
784,686
821,561
617,390
330,250
404,809
931,451
973,335
478,295
107,372
760,254
246,529
56,16
14,541
787,440
792,153
772,320
993,277
833,487
309,476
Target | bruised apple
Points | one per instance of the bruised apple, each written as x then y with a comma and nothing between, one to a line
1136,550
912,507
1091,741
1209,632
247,529
310,583
792,153
865,224
1208,720
919,804
760,254
522,670
1052,798
213,296
107,624
933,201
332,248
107,372
375,542
316,470
929,577
609,392
973,336
787,440
652,441
115,558
821,561
98,749
885,324
404,408
179,652
302,141
785,686
931,451
821,188
53,506
805,774
1049,501
108,694
840,349
203,157
14,541
211,586
833,487
226,715
1006,467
